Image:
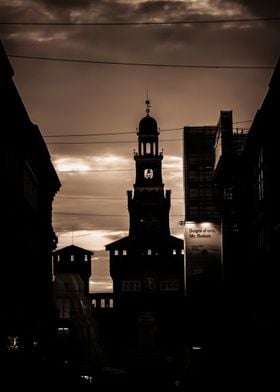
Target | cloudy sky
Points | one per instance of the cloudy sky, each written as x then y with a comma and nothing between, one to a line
88,112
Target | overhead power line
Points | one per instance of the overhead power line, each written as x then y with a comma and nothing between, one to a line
108,133
99,215
134,64
110,142
94,170
100,198
106,170
59,135
87,214
66,229
152,23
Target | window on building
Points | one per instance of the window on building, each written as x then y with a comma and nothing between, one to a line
150,282
116,252
169,285
30,186
111,303
13,343
228,192
103,303
261,237
63,307
131,285
260,174
125,252
72,258
149,252
174,251
63,331
86,258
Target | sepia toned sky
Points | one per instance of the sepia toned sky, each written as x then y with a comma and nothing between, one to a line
107,101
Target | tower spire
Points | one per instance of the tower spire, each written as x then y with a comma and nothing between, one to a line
148,104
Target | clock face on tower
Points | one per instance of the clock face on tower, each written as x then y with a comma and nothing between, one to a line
148,174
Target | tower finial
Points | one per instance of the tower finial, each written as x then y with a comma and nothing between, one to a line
148,103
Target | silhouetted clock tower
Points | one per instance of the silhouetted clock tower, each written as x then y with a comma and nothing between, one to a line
147,266
149,205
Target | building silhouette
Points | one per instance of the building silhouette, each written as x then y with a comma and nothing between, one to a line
216,189
245,181
29,184
202,238
77,350
227,182
245,178
198,174
230,178
260,209
73,259
147,266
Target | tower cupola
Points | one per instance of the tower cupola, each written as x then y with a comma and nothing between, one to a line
148,125
148,132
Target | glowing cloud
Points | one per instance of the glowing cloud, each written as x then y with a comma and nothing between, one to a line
71,164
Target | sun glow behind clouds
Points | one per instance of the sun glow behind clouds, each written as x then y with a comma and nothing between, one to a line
174,170
94,240
40,37
88,239
87,163
71,164
111,160
212,8
173,162
101,286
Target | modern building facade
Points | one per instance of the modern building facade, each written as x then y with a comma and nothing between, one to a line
227,181
245,181
247,190
260,204
202,230
212,168
199,161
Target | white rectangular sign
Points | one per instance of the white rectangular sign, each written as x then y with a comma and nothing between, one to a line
203,248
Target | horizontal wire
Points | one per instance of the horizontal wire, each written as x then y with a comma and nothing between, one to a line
101,198
110,142
119,132
244,67
99,215
108,133
179,22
